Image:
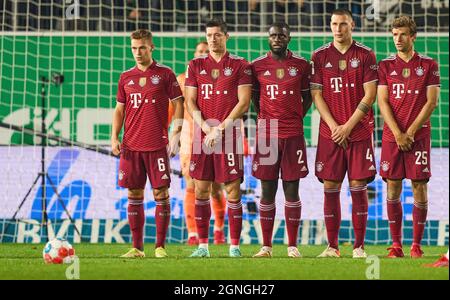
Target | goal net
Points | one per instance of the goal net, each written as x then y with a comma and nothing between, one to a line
60,62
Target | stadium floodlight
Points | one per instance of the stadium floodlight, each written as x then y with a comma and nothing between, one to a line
57,79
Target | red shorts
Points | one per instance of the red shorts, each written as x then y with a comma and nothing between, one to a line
414,164
135,166
218,167
333,161
290,157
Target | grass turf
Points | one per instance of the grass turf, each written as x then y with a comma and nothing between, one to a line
101,261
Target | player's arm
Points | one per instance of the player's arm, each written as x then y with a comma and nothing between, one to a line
426,111
403,141
342,132
244,97
306,101
117,123
178,107
192,108
322,107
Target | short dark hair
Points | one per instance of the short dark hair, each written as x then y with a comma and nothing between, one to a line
405,21
342,12
217,22
281,25
142,34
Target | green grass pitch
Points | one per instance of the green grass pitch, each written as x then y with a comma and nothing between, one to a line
101,261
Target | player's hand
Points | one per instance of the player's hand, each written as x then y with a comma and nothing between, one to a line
115,147
174,145
340,135
404,141
213,137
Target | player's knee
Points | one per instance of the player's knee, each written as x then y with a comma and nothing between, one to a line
136,193
161,193
216,191
419,187
328,184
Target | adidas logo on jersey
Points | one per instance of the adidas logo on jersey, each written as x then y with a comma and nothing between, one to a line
372,168
164,177
393,73
328,65
304,169
426,170
203,72
131,82
267,73
233,172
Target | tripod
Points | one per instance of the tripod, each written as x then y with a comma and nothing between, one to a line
57,79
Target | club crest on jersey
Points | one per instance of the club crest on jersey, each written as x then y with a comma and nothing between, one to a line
155,79
227,71
280,73
406,73
342,64
142,81
420,71
292,71
384,166
215,73
354,62
319,166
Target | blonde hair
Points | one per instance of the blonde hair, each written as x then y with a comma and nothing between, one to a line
141,34
405,21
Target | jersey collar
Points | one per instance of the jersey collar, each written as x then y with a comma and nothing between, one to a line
288,54
152,65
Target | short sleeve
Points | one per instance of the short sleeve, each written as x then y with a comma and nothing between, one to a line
255,82
316,70
191,78
382,79
173,87
121,96
245,74
370,68
434,78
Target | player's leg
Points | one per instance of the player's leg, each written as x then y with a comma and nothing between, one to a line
294,166
234,204
360,205
418,169
189,200
395,216
420,211
442,262
392,170
219,205
361,171
292,212
202,171
132,176
158,172
162,219
330,169
267,210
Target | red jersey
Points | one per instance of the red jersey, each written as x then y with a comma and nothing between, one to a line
146,96
342,77
217,84
407,83
279,84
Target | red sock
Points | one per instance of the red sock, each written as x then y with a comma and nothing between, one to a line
360,206
162,219
235,220
267,211
136,219
332,214
395,217
419,220
292,213
202,219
